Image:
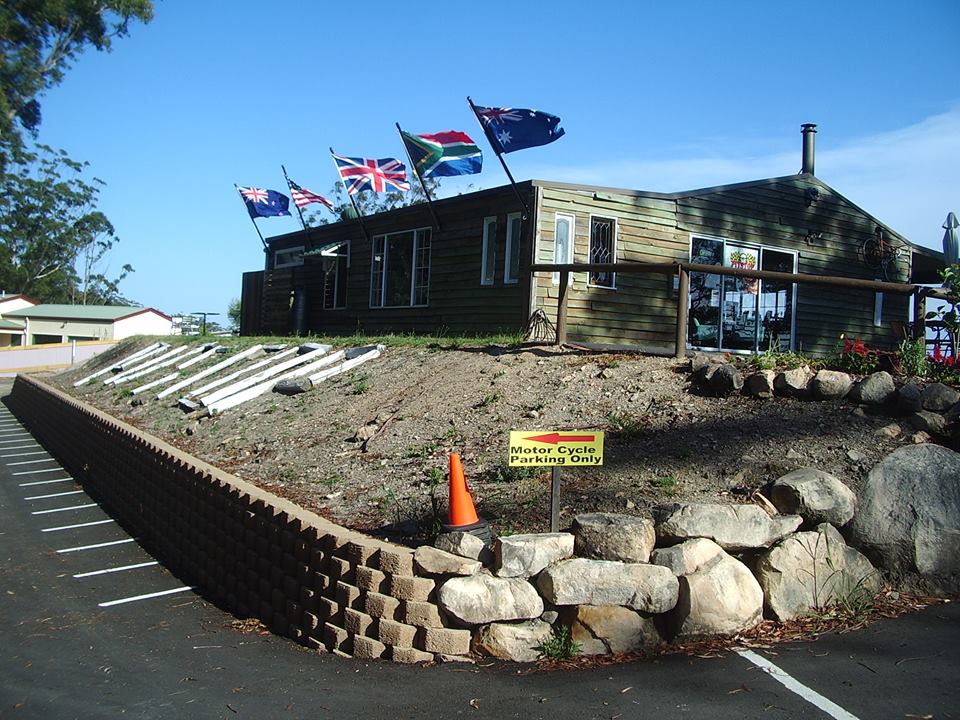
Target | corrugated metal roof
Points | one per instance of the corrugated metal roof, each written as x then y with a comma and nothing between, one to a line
76,312
10,325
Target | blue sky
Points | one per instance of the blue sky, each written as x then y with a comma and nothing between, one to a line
653,96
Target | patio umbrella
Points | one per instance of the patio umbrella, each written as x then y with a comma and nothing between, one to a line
951,239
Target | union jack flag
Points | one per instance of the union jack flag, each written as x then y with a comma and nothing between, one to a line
303,197
378,175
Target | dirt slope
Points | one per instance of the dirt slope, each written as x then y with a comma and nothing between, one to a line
418,405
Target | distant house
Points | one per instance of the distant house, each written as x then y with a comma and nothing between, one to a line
46,324
12,331
399,271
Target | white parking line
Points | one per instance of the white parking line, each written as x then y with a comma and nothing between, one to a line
13,440
19,447
38,452
79,525
37,472
98,545
74,507
116,569
63,494
30,462
46,482
811,696
144,597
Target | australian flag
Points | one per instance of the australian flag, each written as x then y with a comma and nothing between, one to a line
264,203
510,129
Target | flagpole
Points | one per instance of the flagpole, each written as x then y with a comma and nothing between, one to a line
299,212
353,202
496,151
436,220
265,246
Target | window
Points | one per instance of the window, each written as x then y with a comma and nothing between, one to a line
336,264
291,257
603,249
563,242
878,308
488,262
400,269
511,262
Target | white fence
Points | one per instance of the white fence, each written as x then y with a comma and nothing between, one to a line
41,358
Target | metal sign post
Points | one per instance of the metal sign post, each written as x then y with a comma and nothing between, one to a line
556,450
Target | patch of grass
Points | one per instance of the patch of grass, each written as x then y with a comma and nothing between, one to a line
332,480
423,452
360,383
560,645
488,400
626,425
504,473
666,483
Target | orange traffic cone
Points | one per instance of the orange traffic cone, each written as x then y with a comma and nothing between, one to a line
462,515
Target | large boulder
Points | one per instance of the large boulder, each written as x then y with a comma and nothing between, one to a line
526,555
814,495
732,527
875,389
908,521
794,382
830,385
607,536
939,398
811,571
686,557
482,598
519,642
605,629
433,561
760,384
720,597
909,398
725,380
649,588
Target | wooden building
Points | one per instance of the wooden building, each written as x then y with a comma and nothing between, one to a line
400,272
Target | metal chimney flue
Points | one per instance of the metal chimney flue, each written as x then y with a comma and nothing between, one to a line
809,132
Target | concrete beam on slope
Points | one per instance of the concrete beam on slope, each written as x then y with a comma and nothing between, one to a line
241,372
157,366
369,353
264,375
149,364
135,356
212,370
208,351
151,385
249,393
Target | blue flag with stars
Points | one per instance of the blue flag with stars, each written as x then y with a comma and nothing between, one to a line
510,129
264,203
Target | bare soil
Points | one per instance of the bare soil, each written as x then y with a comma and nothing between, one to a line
417,405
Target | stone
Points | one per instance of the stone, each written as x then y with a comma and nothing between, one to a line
732,527
607,536
686,557
816,496
432,561
794,382
830,385
605,629
808,572
721,597
908,520
875,389
909,398
526,555
760,384
701,360
891,431
311,347
293,386
483,598
519,642
364,432
939,398
725,380
581,581
460,543
929,422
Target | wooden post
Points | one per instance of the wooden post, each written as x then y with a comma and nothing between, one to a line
683,299
919,314
555,499
562,308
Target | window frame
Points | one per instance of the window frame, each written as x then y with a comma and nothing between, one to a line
571,243
335,252
511,275
420,251
297,262
488,255
613,251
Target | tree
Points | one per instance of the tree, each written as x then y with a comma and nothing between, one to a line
49,222
39,40
233,314
371,203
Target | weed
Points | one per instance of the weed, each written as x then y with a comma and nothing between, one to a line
488,400
331,480
560,645
625,425
504,473
386,501
423,452
666,483
913,355
360,383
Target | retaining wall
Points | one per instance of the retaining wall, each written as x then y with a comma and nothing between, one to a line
251,553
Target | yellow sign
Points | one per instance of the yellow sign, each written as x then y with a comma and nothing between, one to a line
549,447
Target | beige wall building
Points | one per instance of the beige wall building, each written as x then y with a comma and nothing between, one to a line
46,324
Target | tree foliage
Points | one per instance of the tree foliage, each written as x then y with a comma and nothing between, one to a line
49,225
371,203
39,40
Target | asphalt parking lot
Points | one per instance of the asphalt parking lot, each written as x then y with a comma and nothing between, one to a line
91,626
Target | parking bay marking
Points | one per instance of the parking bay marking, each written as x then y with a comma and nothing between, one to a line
116,569
97,545
64,509
79,525
46,482
53,495
135,598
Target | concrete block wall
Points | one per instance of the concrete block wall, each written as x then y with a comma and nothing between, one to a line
251,553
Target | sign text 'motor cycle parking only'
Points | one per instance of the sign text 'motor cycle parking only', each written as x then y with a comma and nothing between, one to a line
568,448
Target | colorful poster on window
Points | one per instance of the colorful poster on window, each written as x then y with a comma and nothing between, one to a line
745,259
